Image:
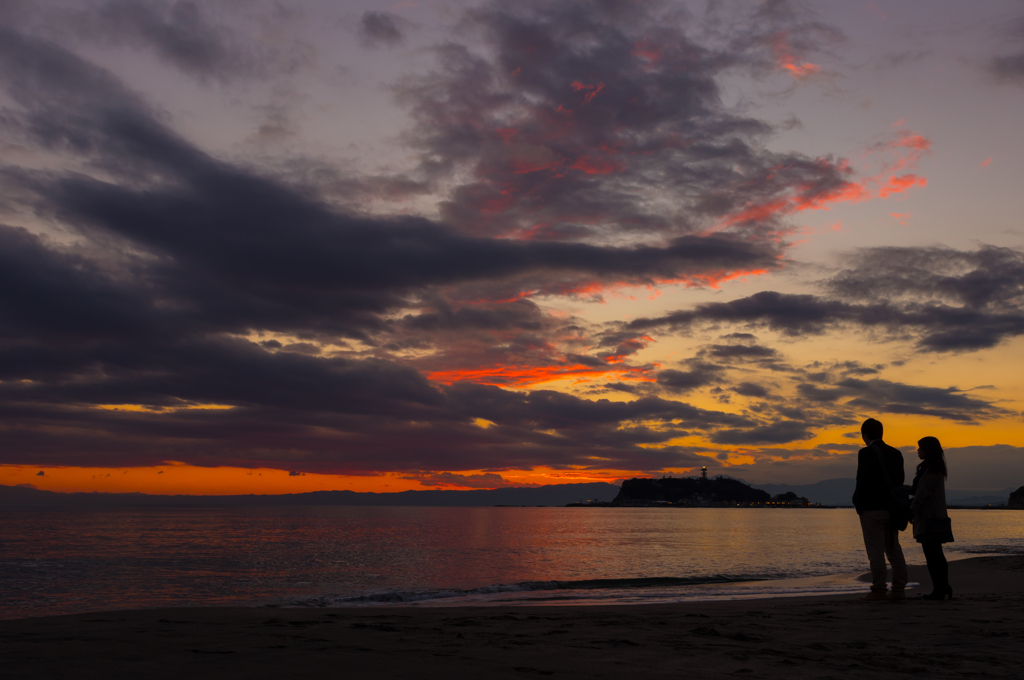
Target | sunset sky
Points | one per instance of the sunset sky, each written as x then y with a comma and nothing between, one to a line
268,247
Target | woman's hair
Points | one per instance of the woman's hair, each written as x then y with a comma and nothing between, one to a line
933,457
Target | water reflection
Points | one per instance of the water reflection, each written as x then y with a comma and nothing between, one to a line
59,561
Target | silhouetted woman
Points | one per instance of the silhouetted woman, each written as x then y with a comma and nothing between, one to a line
928,513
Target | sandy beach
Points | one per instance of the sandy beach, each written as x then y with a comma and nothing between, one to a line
979,633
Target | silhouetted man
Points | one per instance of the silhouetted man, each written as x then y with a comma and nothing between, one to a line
873,501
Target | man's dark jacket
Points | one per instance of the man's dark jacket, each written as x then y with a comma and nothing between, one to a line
872,493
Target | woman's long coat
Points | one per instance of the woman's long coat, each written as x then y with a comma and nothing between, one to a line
929,500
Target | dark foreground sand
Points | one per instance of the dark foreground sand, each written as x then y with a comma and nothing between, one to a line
980,633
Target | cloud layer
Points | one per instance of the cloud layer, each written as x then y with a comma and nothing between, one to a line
159,302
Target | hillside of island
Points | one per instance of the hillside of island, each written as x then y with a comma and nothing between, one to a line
718,492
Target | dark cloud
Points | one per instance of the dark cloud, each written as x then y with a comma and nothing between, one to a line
182,34
336,341
324,272
956,300
699,375
380,28
622,387
112,349
782,432
1011,66
819,395
790,314
487,480
601,121
740,352
948,300
987,278
178,32
337,416
748,389
884,396
844,395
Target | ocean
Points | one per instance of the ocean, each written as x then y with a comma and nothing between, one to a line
60,561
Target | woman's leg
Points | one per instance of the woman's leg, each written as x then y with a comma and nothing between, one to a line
943,567
938,568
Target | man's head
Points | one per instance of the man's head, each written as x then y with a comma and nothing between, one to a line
871,430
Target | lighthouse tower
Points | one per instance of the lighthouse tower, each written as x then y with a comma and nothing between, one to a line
703,471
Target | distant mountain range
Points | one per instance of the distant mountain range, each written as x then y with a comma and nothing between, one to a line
840,492
554,494
827,492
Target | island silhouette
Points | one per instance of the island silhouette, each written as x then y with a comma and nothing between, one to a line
691,491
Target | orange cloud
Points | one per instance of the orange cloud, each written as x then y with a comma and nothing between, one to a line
596,166
525,166
912,141
900,217
713,280
496,205
797,202
910,147
592,90
631,347
898,185
645,50
985,163
786,60
530,376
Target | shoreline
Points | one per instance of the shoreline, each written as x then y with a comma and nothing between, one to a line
981,631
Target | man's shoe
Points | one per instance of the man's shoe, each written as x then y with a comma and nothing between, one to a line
875,596
897,595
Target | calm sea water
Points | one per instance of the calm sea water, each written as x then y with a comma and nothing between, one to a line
60,561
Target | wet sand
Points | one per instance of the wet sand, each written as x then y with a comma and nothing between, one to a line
979,633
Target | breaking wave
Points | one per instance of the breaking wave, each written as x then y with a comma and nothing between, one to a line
573,588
